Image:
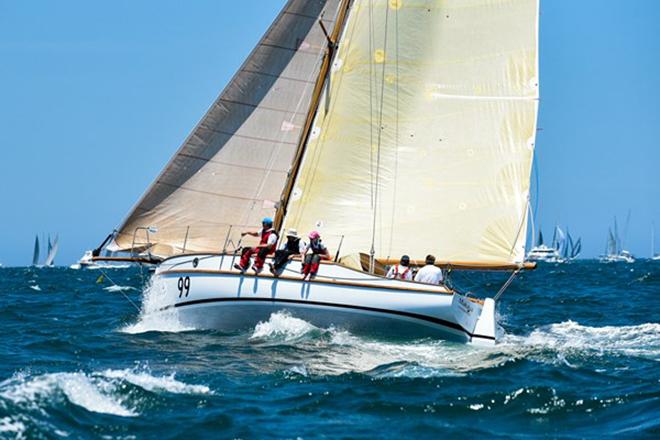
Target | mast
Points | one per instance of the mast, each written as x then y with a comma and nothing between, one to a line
333,42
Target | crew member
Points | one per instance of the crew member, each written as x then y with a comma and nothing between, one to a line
314,252
267,241
401,271
290,248
429,274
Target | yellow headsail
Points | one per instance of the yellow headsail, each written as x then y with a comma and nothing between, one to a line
425,139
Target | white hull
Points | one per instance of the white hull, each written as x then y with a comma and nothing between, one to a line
544,253
623,257
208,293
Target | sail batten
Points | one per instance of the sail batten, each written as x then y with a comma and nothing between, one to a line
427,141
231,170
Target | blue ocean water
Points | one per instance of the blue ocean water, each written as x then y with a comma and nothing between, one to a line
579,359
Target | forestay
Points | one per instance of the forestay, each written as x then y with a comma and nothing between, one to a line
232,168
426,142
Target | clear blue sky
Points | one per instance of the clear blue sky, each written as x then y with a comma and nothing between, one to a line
96,96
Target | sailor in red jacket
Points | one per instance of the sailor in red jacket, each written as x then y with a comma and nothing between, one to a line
267,242
314,252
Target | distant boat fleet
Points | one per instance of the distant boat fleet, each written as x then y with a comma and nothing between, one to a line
562,249
53,246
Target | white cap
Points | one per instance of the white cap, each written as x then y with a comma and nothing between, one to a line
292,233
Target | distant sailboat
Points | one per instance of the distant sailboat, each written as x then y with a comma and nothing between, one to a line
52,252
614,252
35,254
654,256
571,249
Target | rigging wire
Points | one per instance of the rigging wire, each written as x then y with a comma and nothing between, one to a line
105,275
396,128
379,141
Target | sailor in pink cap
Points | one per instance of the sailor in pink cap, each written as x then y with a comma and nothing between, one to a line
315,251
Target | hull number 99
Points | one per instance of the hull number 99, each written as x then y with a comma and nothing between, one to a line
184,286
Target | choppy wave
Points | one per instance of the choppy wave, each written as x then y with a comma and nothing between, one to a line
35,287
149,382
12,426
116,288
114,392
569,337
89,392
153,317
338,351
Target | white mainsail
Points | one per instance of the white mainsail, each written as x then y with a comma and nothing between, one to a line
427,140
232,169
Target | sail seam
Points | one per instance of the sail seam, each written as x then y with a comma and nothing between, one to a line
259,106
227,196
254,138
288,78
306,16
192,156
292,49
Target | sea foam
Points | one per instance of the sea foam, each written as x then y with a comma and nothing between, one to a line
103,392
570,337
154,317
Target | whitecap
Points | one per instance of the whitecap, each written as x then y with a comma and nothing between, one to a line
570,337
339,351
78,388
103,392
12,426
281,325
35,287
93,395
116,288
154,383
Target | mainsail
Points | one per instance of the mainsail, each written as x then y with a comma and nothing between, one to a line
424,143
231,170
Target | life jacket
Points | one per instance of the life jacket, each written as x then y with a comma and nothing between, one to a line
403,274
293,245
317,247
265,234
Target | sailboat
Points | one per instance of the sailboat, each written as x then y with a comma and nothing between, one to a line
52,252
391,127
614,252
572,248
35,253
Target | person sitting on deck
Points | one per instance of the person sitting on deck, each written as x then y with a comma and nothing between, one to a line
401,271
429,274
290,248
311,261
267,241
